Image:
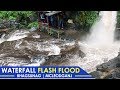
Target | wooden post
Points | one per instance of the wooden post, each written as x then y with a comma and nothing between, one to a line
39,21
48,25
58,34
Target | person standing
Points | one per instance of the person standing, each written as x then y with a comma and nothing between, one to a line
52,21
60,21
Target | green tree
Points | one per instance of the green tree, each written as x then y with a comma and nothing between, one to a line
22,17
84,19
118,19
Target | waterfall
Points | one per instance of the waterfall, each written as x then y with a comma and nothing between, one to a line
99,45
102,32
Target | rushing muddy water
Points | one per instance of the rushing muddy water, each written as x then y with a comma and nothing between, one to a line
21,47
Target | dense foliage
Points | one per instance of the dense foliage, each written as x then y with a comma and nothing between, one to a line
84,19
23,18
28,19
118,19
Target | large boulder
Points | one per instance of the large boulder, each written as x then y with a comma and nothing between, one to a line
64,56
108,70
8,24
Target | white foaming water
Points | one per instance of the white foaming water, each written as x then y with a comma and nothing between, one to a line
54,50
99,46
102,32
2,38
17,35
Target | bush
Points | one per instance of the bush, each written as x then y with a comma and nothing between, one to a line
24,18
118,19
33,24
84,19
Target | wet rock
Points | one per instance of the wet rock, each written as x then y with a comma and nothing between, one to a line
118,65
73,50
37,59
113,63
54,57
115,74
108,77
64,56
103,67
8,24
96,74
109,70
81,54
56,60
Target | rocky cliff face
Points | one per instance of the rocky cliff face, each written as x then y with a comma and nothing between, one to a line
108,70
